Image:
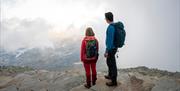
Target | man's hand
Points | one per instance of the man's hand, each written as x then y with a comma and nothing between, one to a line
105,55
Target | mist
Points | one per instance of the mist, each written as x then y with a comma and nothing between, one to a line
152,27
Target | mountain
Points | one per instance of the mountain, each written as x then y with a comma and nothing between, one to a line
47,58
130,79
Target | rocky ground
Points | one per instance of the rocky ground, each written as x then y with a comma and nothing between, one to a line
131,79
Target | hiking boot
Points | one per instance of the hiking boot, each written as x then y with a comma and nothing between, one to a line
94,83
111,83
87,86
107,77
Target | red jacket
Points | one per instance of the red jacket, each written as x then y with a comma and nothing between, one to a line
83,48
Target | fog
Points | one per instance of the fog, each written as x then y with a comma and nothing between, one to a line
152,27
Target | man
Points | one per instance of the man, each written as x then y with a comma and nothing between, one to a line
110,51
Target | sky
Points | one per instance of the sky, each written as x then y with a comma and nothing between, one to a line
152,27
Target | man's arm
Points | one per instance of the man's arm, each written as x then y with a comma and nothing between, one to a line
110,38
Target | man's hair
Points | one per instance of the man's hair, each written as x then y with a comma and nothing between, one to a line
109,16
89,32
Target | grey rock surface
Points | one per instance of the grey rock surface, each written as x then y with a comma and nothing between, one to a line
131,79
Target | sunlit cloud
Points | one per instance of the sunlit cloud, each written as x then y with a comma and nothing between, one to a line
66,18
60,14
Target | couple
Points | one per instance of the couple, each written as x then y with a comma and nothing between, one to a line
89,53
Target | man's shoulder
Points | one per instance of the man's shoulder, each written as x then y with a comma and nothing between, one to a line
111,27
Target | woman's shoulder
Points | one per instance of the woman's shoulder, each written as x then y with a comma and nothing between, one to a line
89,38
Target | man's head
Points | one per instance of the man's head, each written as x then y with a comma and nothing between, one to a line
109,17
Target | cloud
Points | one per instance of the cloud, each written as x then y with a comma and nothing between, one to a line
59,13
16,33
31,23
153,36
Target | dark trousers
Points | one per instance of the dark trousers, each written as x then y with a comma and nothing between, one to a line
111,63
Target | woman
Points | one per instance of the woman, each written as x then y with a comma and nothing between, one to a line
89,56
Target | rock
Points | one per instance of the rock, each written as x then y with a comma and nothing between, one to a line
80,88
10,88
4,80
166,85
136,84
133,79
100,86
